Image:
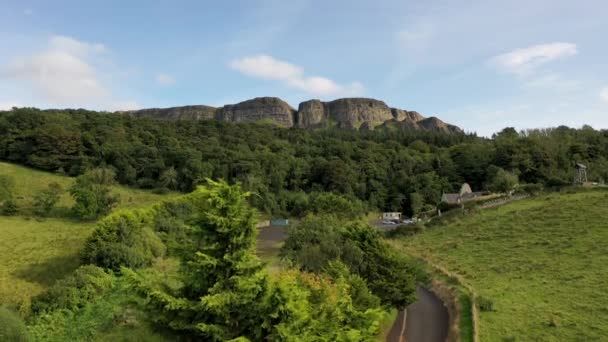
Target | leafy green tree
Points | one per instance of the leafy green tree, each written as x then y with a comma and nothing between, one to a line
416,203
316,307
333,204
501,180
319,240
92,194
45,200
123,239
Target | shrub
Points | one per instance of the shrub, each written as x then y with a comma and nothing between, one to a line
531,189
404,230
8,206
45,200
91,193
86,284
12,327
123,239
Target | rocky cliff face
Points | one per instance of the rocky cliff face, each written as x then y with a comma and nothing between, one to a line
349,113
177,113
260,108
353,113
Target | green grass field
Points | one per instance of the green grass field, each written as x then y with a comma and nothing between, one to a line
36,252
543,262
29,181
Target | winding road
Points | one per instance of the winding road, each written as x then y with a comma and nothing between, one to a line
427,318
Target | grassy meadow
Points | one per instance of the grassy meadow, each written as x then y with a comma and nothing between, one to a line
541,262
34,252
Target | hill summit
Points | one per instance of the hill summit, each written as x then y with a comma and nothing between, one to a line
348,113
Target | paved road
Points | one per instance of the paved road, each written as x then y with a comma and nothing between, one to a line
394,335
427,319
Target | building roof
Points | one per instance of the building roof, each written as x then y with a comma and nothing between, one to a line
451,198
580,166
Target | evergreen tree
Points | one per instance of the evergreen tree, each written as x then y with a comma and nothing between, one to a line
225,290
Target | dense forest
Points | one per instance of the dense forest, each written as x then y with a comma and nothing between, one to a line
384,169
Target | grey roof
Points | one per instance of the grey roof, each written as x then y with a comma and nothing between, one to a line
451,198
580,166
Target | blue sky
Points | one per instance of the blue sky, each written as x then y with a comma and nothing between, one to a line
482,65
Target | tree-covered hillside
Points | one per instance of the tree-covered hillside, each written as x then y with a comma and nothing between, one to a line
387,169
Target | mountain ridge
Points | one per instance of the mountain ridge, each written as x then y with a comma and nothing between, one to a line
347,113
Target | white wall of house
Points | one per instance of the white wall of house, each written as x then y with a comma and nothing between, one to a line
391,216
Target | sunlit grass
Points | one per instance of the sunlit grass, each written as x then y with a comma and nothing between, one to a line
542,261
34,252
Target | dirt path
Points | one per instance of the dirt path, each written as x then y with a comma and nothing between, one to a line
427,319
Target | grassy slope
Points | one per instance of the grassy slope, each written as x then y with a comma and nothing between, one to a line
36,252
542,261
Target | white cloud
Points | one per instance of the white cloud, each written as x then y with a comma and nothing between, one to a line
61,73
9,105
268,68
553,81
74,46
65,73
604,94
417,38
123,105
522,61
164,79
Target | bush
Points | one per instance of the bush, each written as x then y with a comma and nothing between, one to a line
404,230
8,208
12,327
92,194
86,284
45,200
556,183
123,239
530,189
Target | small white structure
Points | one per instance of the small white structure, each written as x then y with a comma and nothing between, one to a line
391,216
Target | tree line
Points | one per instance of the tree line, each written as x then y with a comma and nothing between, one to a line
385,169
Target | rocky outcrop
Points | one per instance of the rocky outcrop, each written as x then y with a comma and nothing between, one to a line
260,108
433,124
177,113
311,114
348,113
